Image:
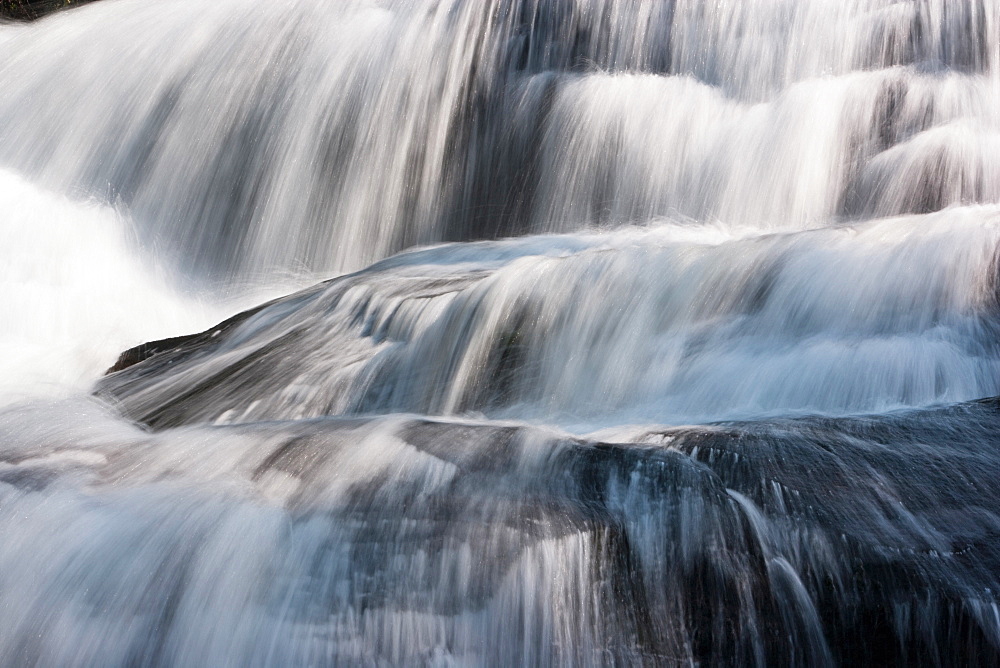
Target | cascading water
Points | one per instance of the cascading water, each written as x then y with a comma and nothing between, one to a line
696,363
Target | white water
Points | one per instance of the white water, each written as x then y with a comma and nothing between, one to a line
74,292
669,324
659,213
278,136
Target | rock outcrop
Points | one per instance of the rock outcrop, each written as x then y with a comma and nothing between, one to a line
29,10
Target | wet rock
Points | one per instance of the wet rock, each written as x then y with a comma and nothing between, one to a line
29,10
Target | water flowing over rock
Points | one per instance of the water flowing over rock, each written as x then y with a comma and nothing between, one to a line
675,323
248,137
549,332
401,539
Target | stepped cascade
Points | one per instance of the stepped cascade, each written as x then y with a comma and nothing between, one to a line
497,332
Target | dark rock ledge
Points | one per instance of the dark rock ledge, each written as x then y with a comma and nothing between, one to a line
29,10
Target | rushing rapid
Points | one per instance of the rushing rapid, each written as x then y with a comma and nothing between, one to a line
493,332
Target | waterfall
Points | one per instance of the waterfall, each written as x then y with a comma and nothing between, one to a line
288,137
493,332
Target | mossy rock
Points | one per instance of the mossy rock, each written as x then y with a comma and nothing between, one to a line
29,10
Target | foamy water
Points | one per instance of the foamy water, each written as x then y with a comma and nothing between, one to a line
748,247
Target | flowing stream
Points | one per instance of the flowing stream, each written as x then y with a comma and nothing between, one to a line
501,332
